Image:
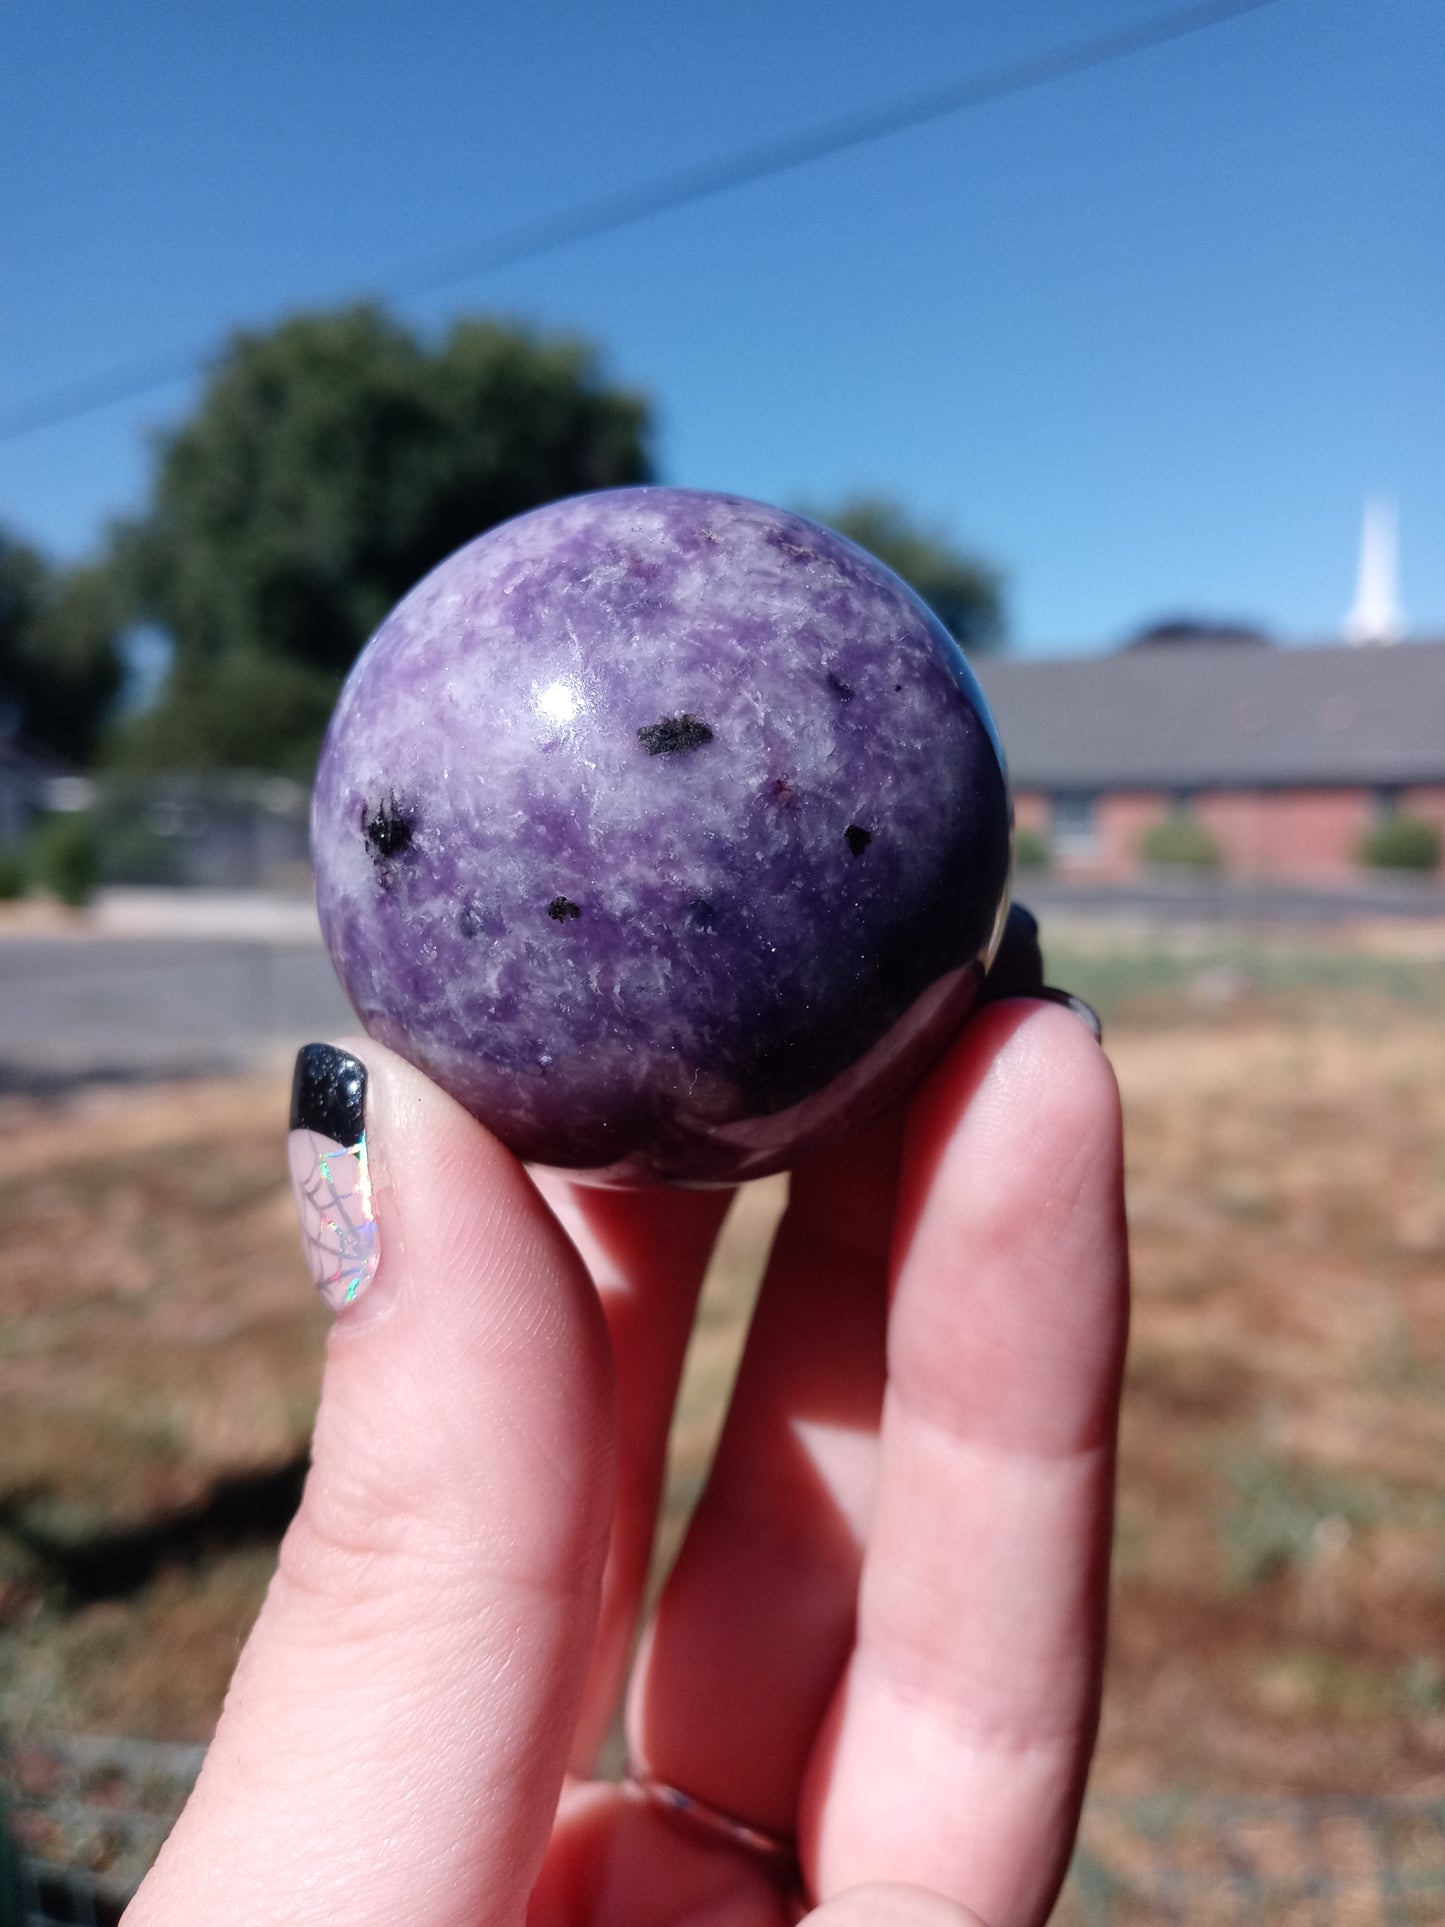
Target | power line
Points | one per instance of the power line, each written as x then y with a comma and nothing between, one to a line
606,213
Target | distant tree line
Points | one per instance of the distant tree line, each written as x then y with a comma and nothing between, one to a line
329,463
60,663
965,592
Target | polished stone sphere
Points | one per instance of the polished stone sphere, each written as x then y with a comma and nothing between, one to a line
667,831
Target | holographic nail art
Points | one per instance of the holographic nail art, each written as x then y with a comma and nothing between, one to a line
331,1172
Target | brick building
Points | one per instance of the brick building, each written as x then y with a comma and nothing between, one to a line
1287,757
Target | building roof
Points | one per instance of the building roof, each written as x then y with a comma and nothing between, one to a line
1223,715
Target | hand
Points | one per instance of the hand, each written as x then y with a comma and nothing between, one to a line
882,1640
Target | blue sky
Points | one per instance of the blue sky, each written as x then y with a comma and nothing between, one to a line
1147,336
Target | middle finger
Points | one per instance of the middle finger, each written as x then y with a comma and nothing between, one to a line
756,1620
647,1252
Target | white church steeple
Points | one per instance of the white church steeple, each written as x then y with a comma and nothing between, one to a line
1377,616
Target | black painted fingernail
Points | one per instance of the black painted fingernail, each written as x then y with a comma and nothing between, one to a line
331,1172
1018,968
1085,1013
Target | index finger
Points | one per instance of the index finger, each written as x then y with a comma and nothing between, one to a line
955,1752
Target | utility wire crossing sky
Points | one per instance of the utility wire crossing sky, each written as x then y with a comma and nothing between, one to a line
1142,317
608,212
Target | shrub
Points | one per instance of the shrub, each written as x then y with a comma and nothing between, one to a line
132,852
63,857
1031,849
1179,843
12,875
1401,843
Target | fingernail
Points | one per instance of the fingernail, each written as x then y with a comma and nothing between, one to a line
1018,968
1085,1013
331,1172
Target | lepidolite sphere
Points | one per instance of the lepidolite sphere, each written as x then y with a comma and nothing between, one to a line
667,831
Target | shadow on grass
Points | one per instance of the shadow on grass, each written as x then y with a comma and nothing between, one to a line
253,1508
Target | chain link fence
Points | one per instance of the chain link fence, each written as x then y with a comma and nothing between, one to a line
218,830
87,1817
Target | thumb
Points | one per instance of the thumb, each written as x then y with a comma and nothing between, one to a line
395,1736
890,1904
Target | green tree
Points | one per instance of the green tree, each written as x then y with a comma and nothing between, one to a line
60,664
1179,843
964,592
330,464
1402,843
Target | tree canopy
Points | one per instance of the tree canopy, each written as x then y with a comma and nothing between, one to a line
1189,632
330,463
60,668
964,592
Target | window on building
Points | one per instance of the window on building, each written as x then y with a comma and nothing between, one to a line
1385,803
1075,822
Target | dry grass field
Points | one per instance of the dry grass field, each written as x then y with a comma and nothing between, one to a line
1280,1551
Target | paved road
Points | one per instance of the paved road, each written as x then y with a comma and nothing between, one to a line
1218,900
168,1000
130,1009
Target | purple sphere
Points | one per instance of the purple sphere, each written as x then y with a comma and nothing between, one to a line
667,831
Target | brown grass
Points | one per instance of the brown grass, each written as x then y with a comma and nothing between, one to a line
1280,1555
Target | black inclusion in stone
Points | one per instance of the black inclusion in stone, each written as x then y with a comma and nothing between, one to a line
388,828
328,1094
701,915
560,908
672,734
842,690
857,838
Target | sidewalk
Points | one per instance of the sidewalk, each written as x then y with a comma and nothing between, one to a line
287,919
126,914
